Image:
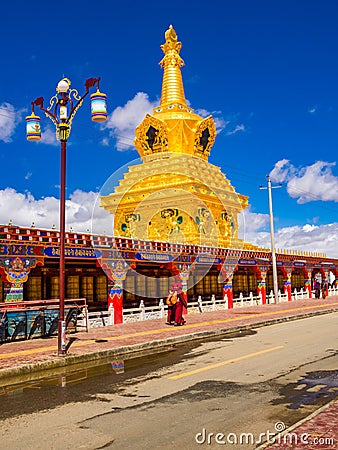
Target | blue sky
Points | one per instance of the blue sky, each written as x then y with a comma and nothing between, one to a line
266,70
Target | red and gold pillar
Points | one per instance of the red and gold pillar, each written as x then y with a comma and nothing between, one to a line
227,292
308,286
227,272
287,284
261,285
117,272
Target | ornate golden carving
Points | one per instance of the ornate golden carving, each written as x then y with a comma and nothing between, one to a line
144,143
205,137
170,35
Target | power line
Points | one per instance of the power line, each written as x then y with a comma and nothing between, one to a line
14,113
5,115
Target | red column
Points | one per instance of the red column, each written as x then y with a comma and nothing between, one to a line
287,290
308,287
115,300
227,292
287,287
261,284
261,288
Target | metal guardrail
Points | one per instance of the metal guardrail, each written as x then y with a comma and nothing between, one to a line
27,320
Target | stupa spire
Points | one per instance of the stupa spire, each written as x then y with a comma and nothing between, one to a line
172,85
175,194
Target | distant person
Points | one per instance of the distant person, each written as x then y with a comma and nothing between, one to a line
181,302
171,301
324,290
317,289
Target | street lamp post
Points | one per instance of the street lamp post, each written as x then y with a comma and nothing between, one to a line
61,111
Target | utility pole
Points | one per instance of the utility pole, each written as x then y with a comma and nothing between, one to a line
272,237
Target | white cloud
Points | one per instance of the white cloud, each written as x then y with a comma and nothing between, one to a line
48,137
237,128
24,209
309,237
9,119
283,169
203,112
220,123
312,110
323,239
253,221
250,223
124,119
217,116
105,142
310,183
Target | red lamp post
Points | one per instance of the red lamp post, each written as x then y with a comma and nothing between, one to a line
61,111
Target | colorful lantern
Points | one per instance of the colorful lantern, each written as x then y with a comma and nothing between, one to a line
99,106
33,129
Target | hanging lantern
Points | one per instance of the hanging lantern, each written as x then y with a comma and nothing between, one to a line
99,106
33,129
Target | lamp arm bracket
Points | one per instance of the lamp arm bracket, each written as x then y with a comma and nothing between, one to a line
51,116
75,94
74,110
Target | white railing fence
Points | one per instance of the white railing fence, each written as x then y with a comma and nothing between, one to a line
106,318
96,319
252,300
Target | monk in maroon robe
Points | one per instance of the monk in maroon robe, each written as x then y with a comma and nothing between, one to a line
181,302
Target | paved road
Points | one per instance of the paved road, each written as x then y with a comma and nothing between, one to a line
275,375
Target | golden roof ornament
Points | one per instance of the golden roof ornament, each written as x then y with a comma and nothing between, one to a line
172,86
174,127
170,35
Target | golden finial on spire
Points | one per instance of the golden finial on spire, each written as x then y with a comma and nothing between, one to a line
174,126
170,35
172,86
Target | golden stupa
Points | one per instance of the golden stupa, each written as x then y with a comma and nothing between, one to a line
175,194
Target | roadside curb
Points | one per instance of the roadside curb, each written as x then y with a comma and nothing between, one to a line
40,369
